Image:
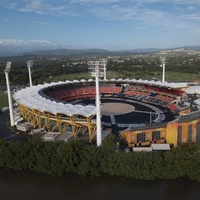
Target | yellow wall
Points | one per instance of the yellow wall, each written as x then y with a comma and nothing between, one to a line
170,133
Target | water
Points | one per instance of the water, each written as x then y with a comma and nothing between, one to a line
32,186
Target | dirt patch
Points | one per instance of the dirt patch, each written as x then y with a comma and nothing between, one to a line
116,108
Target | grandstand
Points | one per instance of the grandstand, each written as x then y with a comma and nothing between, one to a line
70,106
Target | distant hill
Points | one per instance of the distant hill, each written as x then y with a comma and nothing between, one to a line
88,52
15,50
69,52
195,48
103,52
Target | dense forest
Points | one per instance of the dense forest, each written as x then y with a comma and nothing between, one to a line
58,159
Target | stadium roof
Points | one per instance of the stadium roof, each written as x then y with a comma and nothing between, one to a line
31,97
193,90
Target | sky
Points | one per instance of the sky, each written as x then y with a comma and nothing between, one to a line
103,24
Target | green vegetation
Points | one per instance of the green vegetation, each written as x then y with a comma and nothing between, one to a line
3,100
170,76
146,66
57,159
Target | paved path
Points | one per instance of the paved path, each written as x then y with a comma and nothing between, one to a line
112,117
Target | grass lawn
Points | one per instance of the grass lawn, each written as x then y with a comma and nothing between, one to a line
3,100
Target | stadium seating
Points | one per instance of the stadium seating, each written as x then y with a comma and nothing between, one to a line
147,93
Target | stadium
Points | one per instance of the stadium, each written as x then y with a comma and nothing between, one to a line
141,112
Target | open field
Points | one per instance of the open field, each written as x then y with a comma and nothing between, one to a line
170,76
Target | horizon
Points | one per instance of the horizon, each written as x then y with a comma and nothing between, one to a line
110,24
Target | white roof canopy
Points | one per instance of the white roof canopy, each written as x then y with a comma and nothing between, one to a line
31,98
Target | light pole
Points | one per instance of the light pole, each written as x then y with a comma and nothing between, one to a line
162,60
6,71
95,71
29,65
104,62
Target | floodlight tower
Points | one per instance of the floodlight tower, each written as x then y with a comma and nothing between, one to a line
6,71
29,65
162,60
104,62
96,72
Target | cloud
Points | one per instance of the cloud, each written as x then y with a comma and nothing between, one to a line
15,46
67,7
42,7
34,5
94,1
143,11
129,13
15,42
190,8
186,2
47,23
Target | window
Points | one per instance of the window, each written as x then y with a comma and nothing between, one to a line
156,135
179,134
198,133
141,137
190,133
